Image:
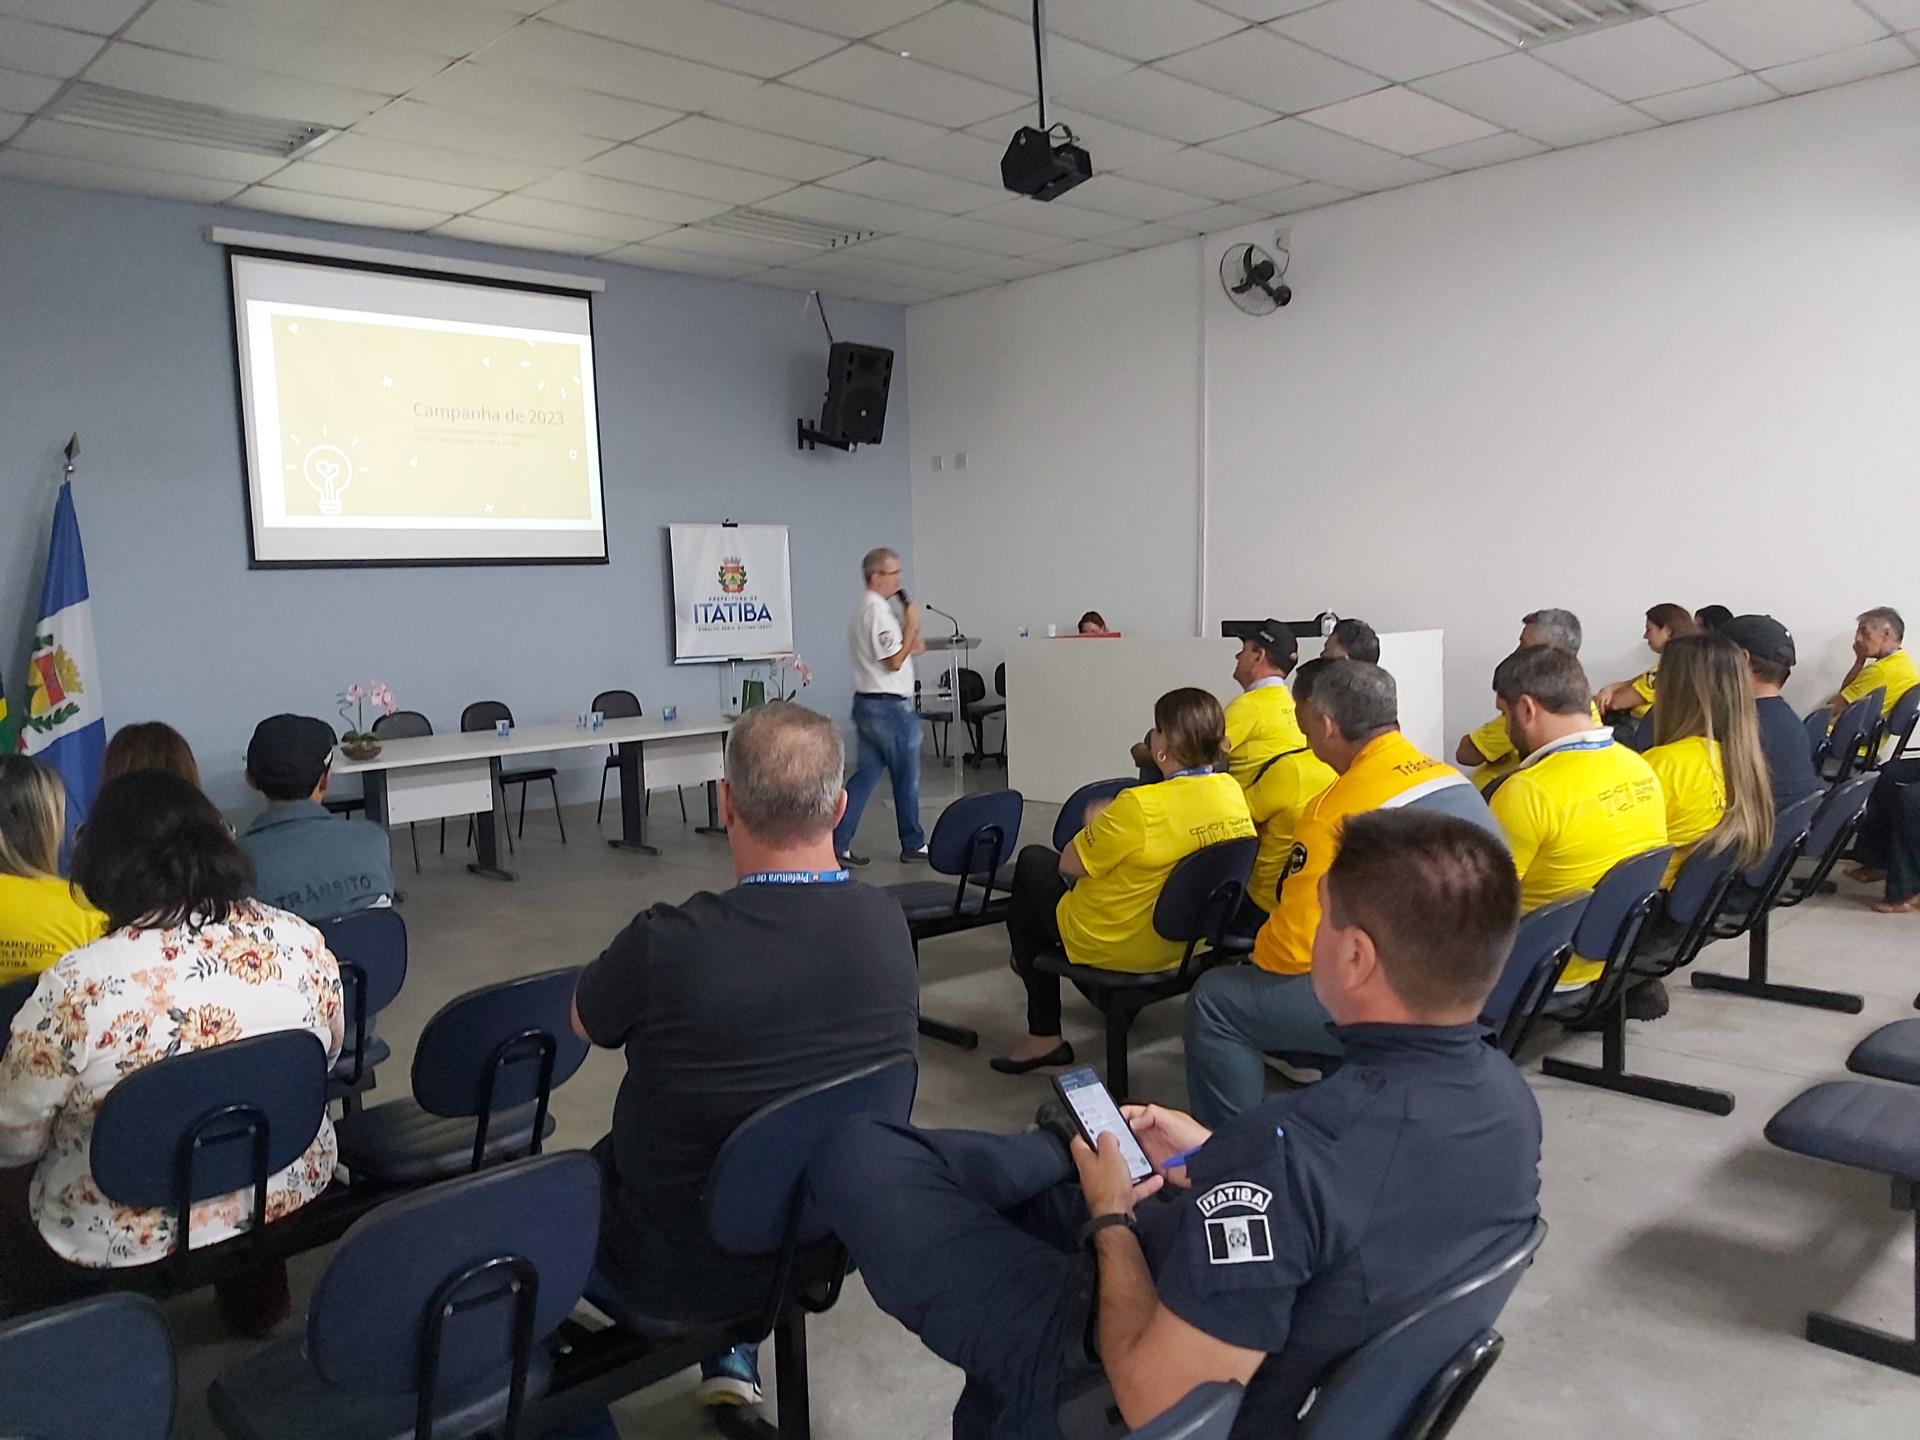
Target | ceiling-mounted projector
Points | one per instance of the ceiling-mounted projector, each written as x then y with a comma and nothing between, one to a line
1036,167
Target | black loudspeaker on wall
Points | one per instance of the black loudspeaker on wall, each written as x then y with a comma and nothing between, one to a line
855,412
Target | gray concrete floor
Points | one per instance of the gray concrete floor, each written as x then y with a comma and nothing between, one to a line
1667,1301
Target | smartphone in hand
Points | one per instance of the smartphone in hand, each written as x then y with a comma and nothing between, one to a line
1095,1114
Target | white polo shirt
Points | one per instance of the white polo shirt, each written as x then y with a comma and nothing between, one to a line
874,637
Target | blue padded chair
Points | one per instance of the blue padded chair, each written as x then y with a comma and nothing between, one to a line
1413,1379
371,948
1542,946
1195,908
429,1317
1850,741
1834,824
1897,726
1073,812
1620,907
483,1072
119,1343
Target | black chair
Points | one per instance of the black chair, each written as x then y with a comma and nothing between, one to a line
410,725
622,705
1195,907
1849,743
980,709
973,694
939,722
1542,946
98,1369
971,841
483,1073
484,715
428,1319
371,948
1898,726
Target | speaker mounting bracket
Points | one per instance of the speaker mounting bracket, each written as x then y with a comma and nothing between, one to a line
812,437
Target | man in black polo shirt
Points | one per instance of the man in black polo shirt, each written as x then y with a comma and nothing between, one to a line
1268,1249
1783,735
729,1002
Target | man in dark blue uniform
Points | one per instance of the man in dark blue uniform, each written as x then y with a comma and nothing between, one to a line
1262,1253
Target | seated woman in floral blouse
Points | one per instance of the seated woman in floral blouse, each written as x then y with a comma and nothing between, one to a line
187,962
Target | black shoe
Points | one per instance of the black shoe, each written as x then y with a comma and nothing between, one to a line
1053,1118
1647,1002
1061,1054
851,860
914,857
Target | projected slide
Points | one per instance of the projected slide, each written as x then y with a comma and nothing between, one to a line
395,419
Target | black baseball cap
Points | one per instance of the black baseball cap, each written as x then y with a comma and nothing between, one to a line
1277,639
1762,637
288,754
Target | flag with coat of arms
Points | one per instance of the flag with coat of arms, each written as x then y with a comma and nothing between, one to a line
64,724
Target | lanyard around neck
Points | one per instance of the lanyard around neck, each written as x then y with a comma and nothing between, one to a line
796,877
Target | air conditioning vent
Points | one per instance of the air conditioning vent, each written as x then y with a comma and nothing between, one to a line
1534,22
787,230
154,116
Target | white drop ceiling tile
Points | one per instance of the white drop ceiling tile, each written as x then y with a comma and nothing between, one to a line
1146,237
1215,177
1163,104
997,49
1137,29
1758,34
318,178
570,219
916,250
337,210
229,86
1594,125
1637,59
652,257
884,80
574,58
684,175
791,280
1217,218
1709,99
1900,14
1272,71
886,180
483,134
117,147
972,234
1401,120
701,138
597,192
1842,67
852,264
854,212
92,175
430,162
45,49
696,240
1113,146
446,27
496,90
1400,39
194,27
1014,268
853,19
783,110
97,17
1066,221
1079,252
698,30
1295,198
1260,11
1131,198
1493,150
1297,148
22,93
521,237
961,155
1516,92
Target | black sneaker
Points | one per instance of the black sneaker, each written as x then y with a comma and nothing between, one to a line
914,857
852,861
1647,1002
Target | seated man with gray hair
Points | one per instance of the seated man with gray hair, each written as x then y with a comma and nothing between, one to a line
728,1002
1489,750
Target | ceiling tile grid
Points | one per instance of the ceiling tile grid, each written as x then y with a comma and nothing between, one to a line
637,130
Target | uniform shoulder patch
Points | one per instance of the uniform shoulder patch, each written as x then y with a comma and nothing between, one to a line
1236,1223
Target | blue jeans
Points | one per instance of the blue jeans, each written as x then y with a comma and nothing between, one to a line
889,740
1234,1016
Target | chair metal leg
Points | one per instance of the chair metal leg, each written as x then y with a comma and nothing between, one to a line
601,809
553,783
740,1422
443,834
1755,983
680,790
524,787
413,834
1119,1022
1611,1073
941,1030
1863,1342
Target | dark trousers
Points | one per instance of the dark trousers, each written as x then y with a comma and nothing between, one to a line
971,1242
1889,835
1032,929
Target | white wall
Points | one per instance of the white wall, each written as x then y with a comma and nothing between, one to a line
1678,365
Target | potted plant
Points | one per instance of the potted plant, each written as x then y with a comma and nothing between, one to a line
359,742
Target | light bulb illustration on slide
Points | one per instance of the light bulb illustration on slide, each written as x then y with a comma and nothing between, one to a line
328,472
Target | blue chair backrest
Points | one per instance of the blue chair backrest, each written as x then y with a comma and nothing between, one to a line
1792,827
1387,1388
1621,891
976,833
1902,718
1701,884
365,1330
1073,814
1540,935
1204,1413
1855,724
1836,815
202,1118
1203,890
514,1022
1819,725
98,1369
371,946
755,1201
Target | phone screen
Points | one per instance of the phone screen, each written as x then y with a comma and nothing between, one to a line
1097,1115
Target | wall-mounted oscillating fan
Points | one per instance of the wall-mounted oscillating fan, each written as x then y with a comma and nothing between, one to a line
1252,280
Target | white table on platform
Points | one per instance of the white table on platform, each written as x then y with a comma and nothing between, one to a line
435,776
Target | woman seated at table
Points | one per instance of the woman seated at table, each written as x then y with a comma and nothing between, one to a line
188,962
42,917
1116,866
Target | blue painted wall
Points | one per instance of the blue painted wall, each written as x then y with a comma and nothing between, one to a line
114,321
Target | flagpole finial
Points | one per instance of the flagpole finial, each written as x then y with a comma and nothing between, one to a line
72,451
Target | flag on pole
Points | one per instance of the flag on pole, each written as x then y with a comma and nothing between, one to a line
65,725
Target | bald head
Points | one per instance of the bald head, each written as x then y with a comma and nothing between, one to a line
785,771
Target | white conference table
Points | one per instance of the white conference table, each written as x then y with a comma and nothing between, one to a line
436,776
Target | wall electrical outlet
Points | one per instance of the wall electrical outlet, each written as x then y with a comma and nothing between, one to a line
960,460
936,464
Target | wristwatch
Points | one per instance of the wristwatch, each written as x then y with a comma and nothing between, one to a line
1103,1222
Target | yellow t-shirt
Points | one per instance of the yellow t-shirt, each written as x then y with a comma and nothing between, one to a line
1387,767
41,919
1276,801
1106,919
1693,780
1895,671
1643,687
1261,724
1496,748
1573,812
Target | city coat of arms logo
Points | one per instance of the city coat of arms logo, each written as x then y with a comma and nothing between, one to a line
733,575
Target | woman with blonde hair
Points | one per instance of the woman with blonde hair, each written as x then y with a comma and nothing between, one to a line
42,917
1706,751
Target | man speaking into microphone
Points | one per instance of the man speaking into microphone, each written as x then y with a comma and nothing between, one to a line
883,644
